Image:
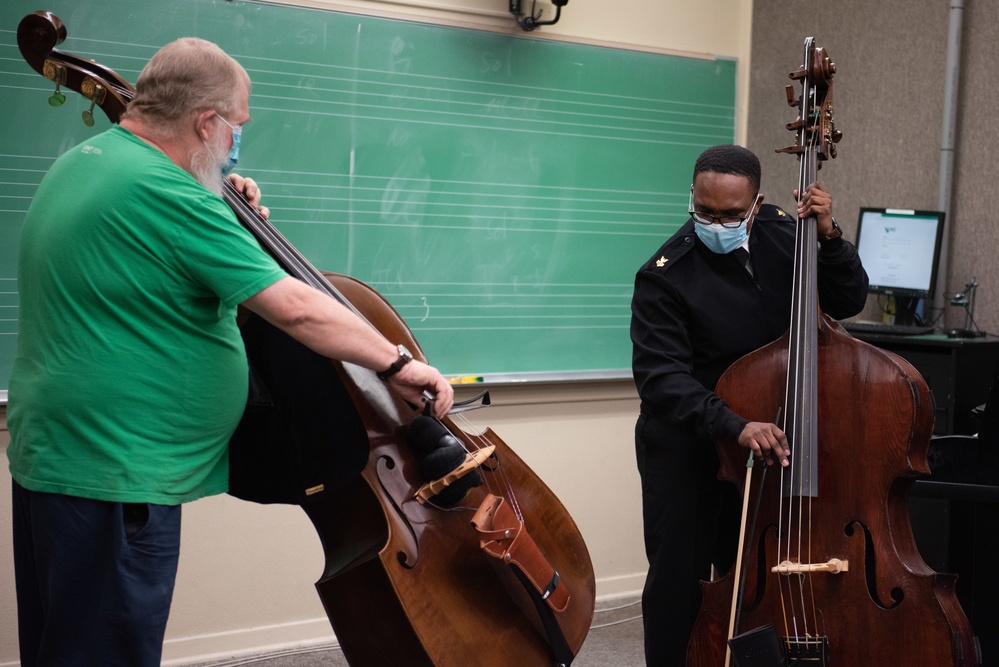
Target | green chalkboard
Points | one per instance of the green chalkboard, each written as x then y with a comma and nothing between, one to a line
500,190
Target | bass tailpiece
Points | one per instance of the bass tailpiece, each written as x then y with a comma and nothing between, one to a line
763,647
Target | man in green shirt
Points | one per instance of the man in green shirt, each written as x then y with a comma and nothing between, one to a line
130,374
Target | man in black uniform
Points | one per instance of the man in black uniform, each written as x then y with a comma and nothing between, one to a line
700,303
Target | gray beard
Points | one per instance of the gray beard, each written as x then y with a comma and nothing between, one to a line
206,167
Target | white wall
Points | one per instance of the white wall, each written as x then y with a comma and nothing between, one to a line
246,571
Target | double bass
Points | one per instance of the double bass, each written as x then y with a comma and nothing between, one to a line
827,573
470,562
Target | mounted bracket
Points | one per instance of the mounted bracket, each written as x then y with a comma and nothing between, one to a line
532,20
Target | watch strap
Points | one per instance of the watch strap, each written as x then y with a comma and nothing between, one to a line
834,234
405,356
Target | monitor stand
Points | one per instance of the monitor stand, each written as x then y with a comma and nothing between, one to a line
905,310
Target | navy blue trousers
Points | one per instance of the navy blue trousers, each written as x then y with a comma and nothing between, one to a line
691,522
94,579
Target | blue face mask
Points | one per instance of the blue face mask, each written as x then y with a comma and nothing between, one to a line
721,240
233,157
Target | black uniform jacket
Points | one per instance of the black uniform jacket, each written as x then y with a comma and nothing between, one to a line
694,312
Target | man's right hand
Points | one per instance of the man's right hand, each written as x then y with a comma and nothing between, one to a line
416,377
767,442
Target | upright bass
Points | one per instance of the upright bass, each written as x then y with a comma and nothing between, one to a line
828,574
446,549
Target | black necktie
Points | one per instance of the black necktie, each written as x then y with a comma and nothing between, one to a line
742,255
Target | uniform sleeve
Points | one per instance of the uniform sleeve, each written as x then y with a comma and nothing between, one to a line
842,280
662,359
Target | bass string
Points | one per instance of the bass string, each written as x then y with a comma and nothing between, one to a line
286,254
801,616
295,263
501,485
811,320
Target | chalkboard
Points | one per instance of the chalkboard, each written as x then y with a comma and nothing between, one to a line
500,190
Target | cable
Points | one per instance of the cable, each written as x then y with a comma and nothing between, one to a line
608,624
623,620
239,662
624,606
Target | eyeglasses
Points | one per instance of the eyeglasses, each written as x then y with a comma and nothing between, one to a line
729,221
236,129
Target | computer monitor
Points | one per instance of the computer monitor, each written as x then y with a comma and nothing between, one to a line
900,249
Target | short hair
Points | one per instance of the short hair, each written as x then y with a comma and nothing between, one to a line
730,159
184,77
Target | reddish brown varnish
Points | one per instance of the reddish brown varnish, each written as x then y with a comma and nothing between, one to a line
863,417
875,421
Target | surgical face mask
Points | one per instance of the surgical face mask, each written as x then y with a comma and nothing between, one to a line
233,158
721,240
721,233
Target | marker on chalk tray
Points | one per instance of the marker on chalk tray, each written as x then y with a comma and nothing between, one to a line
466,379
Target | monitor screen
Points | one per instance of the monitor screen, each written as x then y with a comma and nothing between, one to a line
900,250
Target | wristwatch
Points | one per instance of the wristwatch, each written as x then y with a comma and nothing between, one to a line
834,234
405,356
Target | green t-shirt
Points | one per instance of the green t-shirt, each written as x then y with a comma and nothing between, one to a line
130,373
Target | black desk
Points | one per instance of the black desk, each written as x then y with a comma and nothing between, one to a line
955,529
958,371
954,522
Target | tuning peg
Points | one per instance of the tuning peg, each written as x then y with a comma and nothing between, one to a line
792,101
796,149
57,98
53,71
94,92
88,115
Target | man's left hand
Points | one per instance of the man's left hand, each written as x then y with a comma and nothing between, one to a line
816,202
248,188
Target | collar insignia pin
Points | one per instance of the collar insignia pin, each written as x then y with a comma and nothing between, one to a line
661,262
